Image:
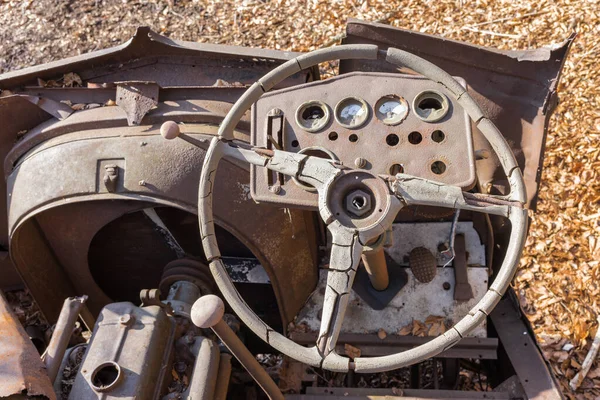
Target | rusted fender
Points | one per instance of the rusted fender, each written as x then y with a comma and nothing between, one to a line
21,369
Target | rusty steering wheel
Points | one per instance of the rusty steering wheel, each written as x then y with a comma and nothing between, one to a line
350,234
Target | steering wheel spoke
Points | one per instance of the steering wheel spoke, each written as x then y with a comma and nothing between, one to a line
314,171
418,191
344,259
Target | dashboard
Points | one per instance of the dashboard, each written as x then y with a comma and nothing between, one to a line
381,122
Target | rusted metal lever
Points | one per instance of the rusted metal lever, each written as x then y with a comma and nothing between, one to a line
207,312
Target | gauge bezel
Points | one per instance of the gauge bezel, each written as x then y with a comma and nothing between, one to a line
431,94
393,121
340,104
322,121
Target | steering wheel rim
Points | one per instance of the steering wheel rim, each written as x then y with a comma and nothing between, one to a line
410,190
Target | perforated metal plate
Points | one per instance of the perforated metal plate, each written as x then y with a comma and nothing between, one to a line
274,116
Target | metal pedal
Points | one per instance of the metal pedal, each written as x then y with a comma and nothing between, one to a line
423,264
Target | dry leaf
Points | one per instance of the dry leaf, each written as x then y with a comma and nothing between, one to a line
381,334
351,351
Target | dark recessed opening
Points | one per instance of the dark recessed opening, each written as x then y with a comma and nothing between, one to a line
359,202
430,104
415,138
105,376
396,169
312,113
438,167
295,143
353,138
437,136
392,139
333,136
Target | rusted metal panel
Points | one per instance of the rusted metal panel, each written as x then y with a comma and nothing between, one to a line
409,145
515,89
21,369
136,98
157,58
282,241
525,356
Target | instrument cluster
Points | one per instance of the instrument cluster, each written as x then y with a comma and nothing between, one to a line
381,122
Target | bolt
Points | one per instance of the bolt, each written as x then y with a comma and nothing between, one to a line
125,319
446,286
275,112
180,367
142,183
360,162
275,189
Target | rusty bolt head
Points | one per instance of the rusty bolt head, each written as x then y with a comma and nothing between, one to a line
169,130
358,203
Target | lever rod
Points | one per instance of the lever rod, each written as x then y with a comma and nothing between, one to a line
207,312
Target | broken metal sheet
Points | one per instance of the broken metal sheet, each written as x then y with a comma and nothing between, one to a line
416,301
21,369
245,270
136,98
430,235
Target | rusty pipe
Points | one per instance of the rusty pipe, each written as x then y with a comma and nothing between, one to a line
376,267
223,377
207,312
62,333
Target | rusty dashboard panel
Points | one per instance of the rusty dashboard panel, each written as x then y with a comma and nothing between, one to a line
397,123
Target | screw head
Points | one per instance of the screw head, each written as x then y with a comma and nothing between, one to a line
360,162
275,189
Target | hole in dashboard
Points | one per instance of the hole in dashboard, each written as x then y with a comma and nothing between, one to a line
415,138
430,105
392,139
353,138
396,169
438,136
312,113
295,143
333,136
438,167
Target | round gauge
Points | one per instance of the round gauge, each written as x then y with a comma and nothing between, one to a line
313,115
351,112
391,109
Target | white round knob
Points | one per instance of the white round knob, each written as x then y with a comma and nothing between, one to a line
207,311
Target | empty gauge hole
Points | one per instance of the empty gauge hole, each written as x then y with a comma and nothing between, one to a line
415,138
438,136
396,169
430,105
333,136
392,139
295,143
313,112
438,167
353,138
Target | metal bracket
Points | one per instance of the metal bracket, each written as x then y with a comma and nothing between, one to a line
136,98
151,297
462,287
379,299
